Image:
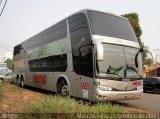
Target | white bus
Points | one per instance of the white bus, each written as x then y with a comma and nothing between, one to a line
92,55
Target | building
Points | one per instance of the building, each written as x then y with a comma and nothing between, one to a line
156,54
153,71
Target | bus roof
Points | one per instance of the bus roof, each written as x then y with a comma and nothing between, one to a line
86,10
80,11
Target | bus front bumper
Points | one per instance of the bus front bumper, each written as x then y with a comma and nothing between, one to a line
117,95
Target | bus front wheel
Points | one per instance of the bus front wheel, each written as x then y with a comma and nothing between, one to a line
62,87
64,90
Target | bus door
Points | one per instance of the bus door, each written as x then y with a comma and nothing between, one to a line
85,72
81,53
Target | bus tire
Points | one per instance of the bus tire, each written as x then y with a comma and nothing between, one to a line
17,80
21,84
63,88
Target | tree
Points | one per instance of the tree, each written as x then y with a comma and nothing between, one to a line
134,21
148,62
9,63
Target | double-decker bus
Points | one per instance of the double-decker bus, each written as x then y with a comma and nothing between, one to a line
92,55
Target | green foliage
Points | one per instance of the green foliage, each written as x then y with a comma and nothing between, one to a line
148,58
58,104
148,62
9,63
134,21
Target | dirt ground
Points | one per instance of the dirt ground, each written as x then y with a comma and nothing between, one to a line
16,99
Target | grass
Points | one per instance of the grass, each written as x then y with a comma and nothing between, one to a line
6,87
58,104
15,87
1,90
46,105
65,107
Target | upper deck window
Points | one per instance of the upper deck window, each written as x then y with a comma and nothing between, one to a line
111,26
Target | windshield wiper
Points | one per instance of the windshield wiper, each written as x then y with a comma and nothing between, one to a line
115,72
119,77
133,69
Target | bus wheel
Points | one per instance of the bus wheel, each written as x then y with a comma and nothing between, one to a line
62,87
64,90
22,82
17,80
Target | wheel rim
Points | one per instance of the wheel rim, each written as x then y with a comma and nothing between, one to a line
22,83
64,90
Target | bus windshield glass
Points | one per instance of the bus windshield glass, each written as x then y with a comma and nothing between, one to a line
110,25
119,63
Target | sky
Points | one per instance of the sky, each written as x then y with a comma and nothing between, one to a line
22,19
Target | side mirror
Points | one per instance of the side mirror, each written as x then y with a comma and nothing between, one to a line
100,52
139,51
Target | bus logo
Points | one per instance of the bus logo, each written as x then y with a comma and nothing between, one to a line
40,79
85,86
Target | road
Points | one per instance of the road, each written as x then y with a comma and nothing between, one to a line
149,102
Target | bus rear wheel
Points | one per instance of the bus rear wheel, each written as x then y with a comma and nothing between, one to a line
21,83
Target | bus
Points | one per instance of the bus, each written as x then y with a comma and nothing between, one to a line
91,55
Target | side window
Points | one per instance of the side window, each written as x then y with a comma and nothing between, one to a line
152,80
79,31
147,80
155,80
54,33
17,49
81,45
57,63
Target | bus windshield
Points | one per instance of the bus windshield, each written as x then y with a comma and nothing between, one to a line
119,63
111,26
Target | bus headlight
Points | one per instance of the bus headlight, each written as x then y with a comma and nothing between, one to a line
104,88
